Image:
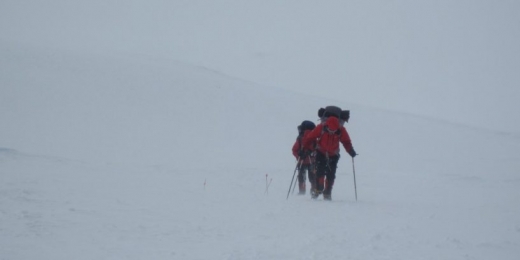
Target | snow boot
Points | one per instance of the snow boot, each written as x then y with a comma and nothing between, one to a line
327,193
327,196
328,190
315,193
320,182
301,188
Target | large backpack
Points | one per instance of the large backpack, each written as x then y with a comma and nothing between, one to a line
332,111
329,111
305,125
344,117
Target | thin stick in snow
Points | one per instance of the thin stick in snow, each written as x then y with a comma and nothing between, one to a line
267,184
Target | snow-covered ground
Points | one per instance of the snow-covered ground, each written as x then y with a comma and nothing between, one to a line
133,157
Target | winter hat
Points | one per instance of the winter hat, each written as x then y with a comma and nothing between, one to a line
332,124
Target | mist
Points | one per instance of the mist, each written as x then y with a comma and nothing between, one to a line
454,61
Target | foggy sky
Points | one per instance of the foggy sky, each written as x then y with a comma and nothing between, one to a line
453,60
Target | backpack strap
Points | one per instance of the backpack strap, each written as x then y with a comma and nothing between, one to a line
337,132
299,138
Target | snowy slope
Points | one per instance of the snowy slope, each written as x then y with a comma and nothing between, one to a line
92,107
121,157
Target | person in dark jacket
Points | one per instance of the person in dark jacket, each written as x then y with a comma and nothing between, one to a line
327,137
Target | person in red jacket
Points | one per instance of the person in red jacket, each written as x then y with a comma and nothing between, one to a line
327,136
304,157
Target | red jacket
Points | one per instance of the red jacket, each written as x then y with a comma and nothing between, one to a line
328,143
299,144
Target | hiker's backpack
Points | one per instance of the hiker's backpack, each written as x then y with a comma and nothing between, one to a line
329,111
344,116
332,111
305,125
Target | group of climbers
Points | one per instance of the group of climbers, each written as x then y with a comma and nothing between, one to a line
317,150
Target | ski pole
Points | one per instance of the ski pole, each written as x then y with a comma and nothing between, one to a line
294,186
354,171
303,173
312,173
295,169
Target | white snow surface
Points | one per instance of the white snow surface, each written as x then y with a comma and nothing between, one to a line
132,157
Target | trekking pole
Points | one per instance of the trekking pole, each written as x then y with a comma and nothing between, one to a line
295,169
294,186
297,176
354,171
312,174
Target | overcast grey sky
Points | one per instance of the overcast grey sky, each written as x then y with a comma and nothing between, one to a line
455,60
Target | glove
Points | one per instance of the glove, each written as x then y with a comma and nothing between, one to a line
302,154
352,153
